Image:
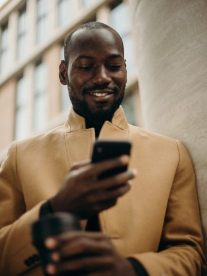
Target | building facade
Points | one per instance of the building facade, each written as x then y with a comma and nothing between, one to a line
32,34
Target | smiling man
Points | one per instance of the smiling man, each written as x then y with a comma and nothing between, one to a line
95,73
148,226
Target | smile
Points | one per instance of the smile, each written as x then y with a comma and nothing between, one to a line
99,94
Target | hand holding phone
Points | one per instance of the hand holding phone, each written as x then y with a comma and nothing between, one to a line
106,149
88,189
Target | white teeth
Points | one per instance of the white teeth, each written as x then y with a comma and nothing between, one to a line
99,94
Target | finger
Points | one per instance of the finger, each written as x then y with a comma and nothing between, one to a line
94,169
82,246
115,181
85,263
55,241
108,197
78,165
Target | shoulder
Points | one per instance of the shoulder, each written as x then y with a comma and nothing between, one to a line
143,134
39,143
156,144
49,136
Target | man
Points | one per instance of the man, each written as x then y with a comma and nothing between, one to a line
150,226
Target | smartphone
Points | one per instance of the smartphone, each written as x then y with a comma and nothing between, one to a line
109,149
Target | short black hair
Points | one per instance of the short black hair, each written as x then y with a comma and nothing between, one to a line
88,26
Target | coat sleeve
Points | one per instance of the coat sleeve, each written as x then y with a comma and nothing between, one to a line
15,221
181,245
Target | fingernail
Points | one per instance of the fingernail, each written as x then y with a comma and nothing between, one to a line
51,269
124,159
55,256
134,172
50,243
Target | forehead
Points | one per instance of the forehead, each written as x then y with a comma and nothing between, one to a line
95,41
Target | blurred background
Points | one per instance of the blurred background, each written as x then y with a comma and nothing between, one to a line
32,34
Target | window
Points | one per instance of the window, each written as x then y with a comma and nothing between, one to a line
40,98
119,20
64,97
21,33
87,2
65,11
3,47
21,110
129,107
42,6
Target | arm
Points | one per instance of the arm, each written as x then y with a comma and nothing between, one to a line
15,240
78,191
181,245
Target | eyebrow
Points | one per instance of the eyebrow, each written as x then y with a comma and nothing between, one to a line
90,57
85,56
115,56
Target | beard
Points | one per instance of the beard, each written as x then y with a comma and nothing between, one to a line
96,116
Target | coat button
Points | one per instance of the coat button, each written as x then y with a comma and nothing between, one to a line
28,262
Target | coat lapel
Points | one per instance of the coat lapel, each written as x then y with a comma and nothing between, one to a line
79,145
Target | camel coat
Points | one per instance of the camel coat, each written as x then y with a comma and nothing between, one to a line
157,221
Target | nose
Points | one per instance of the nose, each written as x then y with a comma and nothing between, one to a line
101,76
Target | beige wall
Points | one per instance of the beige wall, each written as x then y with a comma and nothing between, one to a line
52,61
172,71
7,113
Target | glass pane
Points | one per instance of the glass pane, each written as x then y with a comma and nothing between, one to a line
40,79
129,106
40,98
41,8
21,110
4,38
22,23
3,48
41,30
87,2
3,61
119,19
21,92
41,20
65,100
21,126
65,11
21,47
40,112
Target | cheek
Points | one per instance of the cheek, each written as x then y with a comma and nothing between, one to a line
78,80
120,79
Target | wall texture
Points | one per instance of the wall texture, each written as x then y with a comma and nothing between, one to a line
171,50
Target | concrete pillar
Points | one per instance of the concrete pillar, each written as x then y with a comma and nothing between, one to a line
171,50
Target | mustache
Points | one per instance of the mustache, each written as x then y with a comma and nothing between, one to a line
99,87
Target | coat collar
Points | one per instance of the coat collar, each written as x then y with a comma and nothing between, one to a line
75,122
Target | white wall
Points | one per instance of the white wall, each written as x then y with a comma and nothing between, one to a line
171,47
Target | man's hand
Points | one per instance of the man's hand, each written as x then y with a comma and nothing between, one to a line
86,254
84,195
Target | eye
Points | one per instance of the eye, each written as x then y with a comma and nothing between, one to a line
85,67
114,67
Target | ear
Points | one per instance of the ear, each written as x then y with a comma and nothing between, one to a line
63,69
125,62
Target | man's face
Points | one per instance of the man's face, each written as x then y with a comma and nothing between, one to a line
96,73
